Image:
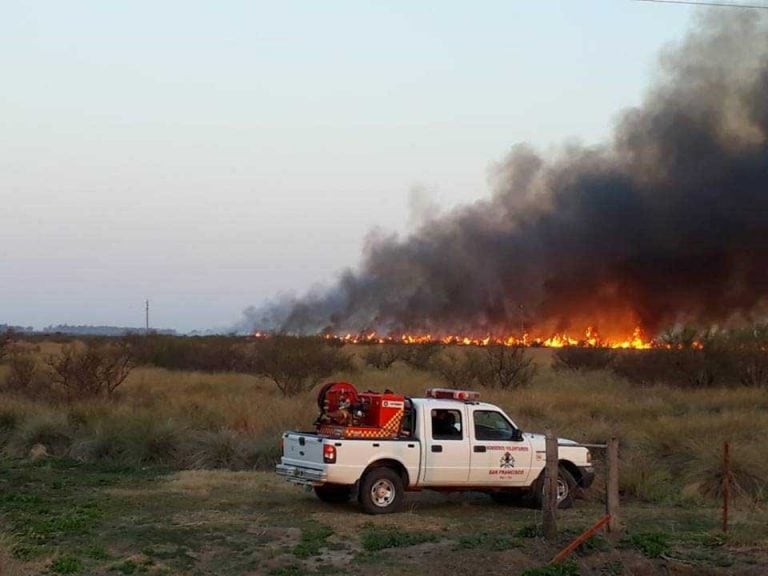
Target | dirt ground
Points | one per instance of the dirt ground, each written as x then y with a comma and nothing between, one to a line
62,517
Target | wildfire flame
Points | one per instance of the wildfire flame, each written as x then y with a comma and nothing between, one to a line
591,339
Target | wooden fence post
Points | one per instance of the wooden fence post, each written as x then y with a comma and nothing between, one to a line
612,488
549,506
726,482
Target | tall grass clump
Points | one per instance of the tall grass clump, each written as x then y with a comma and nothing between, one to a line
48,428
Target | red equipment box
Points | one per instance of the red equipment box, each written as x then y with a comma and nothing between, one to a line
382,408
345,413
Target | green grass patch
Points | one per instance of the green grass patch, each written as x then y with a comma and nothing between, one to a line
529,531
312,540
375,539
67,565
650,544
487,541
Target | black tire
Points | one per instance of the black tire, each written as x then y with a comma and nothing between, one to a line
333,493
381,491
566,488
507,498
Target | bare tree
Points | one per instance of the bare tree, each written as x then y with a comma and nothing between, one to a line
297,364
506,367
92,370
381,356
458,368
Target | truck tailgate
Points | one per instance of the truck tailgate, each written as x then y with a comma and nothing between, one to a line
305,450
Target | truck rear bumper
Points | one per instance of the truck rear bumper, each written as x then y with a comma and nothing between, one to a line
301,475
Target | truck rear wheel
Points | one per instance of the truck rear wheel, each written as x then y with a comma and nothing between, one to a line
333,493
381,491
566,490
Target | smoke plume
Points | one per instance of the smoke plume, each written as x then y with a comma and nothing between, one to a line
665,223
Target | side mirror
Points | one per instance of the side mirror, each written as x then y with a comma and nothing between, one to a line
517,435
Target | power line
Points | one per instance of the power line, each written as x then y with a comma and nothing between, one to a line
716,4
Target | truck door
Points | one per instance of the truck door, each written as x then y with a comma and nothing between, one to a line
446,447
500,455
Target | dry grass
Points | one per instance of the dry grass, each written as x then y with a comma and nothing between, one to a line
10,566
670,437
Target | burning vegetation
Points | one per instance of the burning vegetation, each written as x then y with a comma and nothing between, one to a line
660,227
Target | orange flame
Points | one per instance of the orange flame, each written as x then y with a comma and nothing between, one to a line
590,339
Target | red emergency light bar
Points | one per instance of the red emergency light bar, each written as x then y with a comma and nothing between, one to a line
450,394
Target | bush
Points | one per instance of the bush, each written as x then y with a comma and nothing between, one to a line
132,440
203,353
458,368
6,339
685,368
381,356
751,367
578,358
297,364
50,430
505,367
419,356
219,449
23,375
91,370
642,367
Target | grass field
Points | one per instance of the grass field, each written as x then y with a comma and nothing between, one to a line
173,478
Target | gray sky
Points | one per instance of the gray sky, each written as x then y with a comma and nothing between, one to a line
210,155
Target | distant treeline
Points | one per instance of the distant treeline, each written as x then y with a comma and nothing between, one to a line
84,330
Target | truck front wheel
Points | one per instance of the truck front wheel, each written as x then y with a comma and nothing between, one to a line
566,486
381,491
333,493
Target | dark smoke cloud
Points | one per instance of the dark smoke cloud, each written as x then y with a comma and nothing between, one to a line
668,222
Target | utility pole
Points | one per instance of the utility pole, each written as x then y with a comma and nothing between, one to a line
146,315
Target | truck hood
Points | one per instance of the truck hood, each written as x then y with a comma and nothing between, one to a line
541,439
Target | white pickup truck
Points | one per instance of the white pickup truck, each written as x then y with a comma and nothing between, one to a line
444,444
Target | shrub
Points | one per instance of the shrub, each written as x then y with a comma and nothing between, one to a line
6,339
297,364
642,367
22,372
505,367
381,356
686,368
751,367
95,369
578,358
419,356
203,353
219,449
457,368
50,430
